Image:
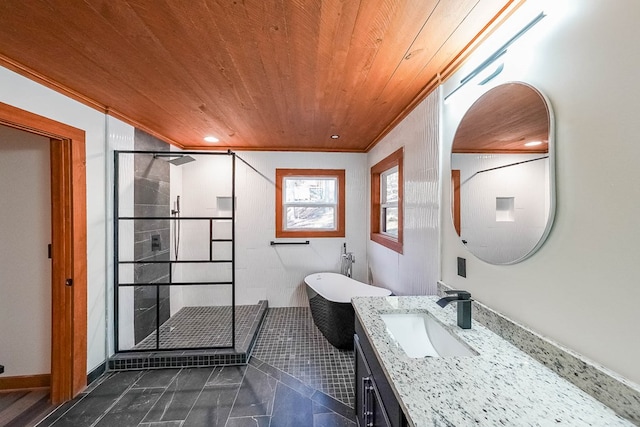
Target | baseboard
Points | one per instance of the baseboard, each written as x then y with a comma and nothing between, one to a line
94,374
25,382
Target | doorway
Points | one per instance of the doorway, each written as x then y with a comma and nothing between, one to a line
68,253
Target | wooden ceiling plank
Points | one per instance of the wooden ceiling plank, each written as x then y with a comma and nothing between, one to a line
193,70
402,22
273,73
405,83
451,54
338,20
57,59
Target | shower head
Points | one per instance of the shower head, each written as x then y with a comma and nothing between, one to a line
181,160
178,159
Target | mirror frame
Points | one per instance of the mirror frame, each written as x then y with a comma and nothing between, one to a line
552,173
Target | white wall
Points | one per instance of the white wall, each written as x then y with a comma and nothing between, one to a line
25,270
581,288
276,273
416,271
28,95
490,239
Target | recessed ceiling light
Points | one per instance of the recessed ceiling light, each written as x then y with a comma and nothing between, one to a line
533,143
335,136
211,139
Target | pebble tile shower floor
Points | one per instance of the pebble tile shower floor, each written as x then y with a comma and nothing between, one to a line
294,379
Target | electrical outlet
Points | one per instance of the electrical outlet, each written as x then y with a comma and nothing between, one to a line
462,267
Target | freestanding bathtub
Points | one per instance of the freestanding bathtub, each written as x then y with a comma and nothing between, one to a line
330,301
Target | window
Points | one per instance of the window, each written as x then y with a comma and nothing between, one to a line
310,203
386,202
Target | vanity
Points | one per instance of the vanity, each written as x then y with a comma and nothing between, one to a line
492,384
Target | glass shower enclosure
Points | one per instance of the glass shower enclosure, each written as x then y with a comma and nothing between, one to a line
174,250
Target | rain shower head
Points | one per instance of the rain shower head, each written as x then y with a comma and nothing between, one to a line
178,159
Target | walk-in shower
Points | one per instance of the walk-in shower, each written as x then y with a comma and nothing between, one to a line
174,257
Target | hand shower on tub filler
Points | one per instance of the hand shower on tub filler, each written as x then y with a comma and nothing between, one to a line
347,261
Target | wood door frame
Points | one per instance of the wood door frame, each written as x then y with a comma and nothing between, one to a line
69,248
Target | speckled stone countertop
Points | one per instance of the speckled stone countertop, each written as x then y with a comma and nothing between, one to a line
501,386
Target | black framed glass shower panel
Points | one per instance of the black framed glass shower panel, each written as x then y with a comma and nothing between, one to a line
214,276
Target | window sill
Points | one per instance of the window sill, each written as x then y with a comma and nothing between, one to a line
387,241
309,234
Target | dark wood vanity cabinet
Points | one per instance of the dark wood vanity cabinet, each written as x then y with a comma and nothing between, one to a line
376,405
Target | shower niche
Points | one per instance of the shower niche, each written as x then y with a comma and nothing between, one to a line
174,252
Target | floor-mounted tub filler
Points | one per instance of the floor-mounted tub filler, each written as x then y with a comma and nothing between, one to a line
330,301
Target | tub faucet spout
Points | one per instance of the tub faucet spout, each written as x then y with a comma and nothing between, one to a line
463,299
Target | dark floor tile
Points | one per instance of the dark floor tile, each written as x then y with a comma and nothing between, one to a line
255,362
178,398
320,409
291,409
59,411
227,375
297,385
212,407
268,369
333,404
259,421
90,408
255,396
331,419
131,408
156,378
161,424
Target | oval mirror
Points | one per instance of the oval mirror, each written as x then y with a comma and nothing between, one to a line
502,174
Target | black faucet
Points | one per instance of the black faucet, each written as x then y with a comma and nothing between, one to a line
463,298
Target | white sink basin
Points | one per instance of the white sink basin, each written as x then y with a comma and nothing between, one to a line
420,335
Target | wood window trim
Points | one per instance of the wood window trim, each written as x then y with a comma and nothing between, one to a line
392,160
283,173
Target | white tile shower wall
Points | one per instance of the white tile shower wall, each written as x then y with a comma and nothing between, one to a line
416,270
28,95
176,301
203,181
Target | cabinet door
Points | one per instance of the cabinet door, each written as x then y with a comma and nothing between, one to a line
362,374
370,411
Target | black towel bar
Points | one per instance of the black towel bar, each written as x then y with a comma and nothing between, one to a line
306,242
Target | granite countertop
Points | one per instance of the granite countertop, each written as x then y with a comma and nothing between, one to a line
500,386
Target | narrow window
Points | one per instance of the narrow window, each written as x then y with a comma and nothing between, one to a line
310,203
386,202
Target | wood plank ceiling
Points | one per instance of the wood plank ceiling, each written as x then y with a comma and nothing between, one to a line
257,74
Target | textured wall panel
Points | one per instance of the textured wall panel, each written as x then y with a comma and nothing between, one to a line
415,272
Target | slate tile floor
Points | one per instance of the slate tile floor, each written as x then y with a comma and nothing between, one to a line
258,394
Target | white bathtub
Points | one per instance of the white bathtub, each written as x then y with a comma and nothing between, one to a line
330,301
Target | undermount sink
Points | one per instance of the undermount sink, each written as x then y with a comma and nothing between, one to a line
420,335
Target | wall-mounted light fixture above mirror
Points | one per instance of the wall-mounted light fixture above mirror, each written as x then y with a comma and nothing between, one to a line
502,173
